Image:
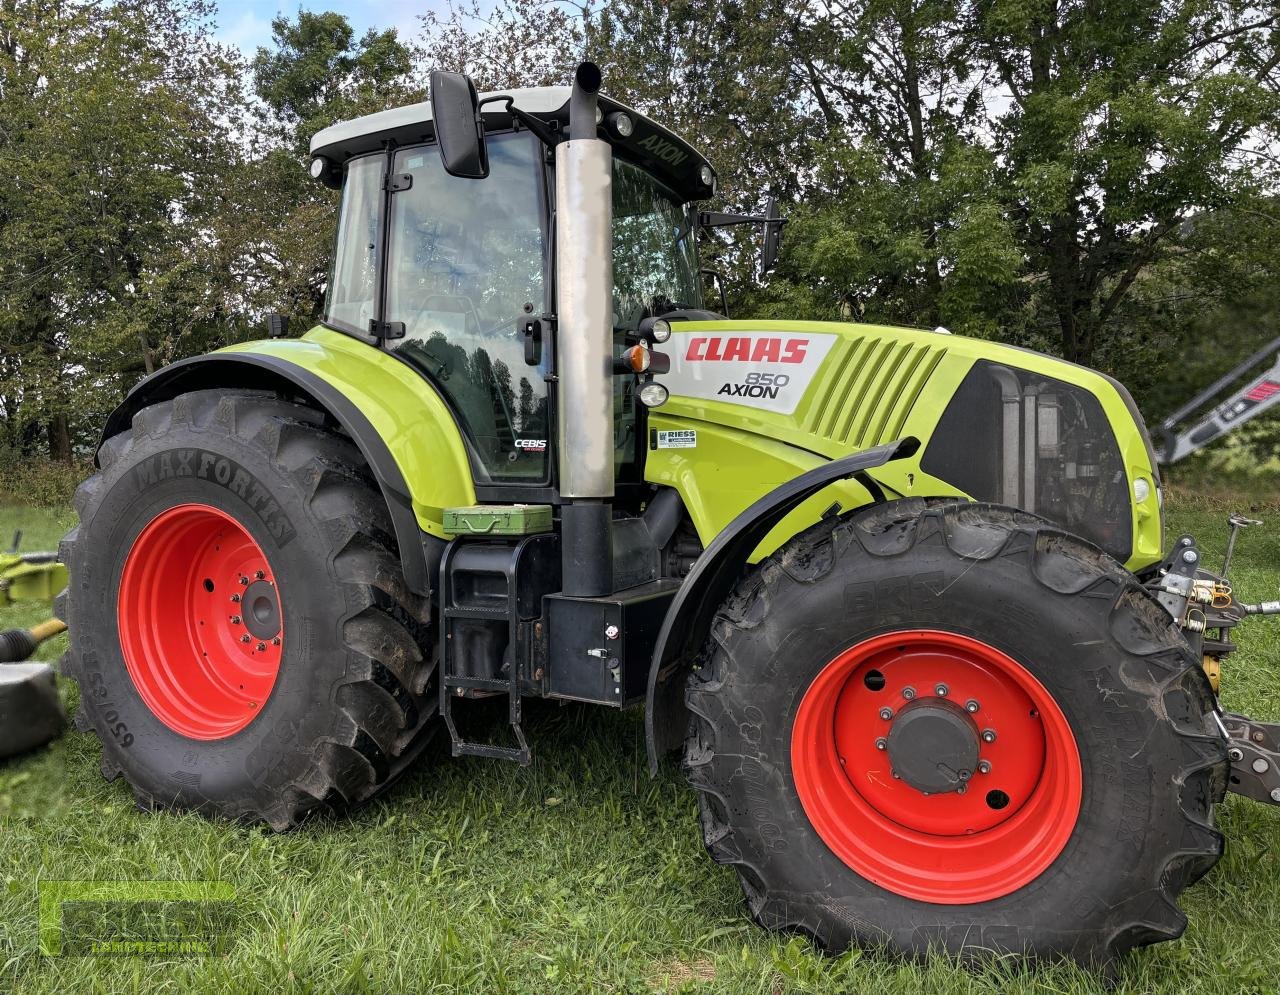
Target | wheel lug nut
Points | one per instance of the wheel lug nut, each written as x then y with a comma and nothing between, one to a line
235,619
244,581
941,690
245,638
235,599
276,641
988,735
984,766
261,647
971,705
882,743
260,574
886,714
908,693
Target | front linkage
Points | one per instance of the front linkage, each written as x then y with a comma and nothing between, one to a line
1203,603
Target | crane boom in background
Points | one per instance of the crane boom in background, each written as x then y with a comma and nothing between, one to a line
1260,394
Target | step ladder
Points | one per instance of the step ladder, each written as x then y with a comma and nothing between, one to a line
496,586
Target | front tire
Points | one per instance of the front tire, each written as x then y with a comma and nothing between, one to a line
1054,792
240,626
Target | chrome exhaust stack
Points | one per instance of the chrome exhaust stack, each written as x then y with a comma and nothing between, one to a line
584,344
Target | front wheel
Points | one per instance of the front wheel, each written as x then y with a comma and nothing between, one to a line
955,728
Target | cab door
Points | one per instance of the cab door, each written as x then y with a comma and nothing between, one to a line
464,259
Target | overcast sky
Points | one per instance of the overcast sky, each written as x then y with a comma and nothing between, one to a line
247,24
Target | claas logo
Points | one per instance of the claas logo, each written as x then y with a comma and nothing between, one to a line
741,349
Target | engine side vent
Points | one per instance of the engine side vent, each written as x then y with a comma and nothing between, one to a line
874,384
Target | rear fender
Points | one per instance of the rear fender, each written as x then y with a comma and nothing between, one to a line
717,571
403,428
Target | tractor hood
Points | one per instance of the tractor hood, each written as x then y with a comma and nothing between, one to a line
997,423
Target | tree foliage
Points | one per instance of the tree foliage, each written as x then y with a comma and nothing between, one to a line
1094,180
116,126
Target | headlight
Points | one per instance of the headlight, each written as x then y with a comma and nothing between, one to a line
653,394
660,330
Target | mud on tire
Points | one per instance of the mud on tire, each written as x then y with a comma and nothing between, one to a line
352,703
1128,684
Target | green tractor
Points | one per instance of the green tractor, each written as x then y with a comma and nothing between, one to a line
902,598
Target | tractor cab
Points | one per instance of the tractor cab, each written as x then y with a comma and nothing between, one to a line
455,274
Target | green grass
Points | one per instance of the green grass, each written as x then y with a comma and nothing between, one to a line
577,873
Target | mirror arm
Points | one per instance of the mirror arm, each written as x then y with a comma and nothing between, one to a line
716,219
540,129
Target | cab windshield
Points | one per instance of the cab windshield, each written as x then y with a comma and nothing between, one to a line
655,261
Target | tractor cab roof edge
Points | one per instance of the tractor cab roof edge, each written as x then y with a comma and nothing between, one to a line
650,145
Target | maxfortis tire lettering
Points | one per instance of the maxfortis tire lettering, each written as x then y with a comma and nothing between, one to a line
352,702
1128,684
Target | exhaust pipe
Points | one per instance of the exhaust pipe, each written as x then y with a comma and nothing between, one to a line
584,347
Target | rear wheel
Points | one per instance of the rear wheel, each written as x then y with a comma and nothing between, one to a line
241,629
955,728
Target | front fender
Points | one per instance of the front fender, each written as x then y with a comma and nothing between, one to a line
402,427
714,576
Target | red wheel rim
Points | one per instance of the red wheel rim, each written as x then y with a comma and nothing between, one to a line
947,847
200,621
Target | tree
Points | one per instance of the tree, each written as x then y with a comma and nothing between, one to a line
319,73
316,73
1122,124
507,43
1013,167
116,125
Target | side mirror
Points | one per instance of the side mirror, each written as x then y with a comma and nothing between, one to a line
455,112
772,236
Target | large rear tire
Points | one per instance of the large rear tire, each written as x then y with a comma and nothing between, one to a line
955,729
241,630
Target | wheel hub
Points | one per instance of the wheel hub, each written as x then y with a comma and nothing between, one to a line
262,610
933,746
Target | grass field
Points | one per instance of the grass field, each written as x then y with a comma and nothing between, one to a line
577,873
